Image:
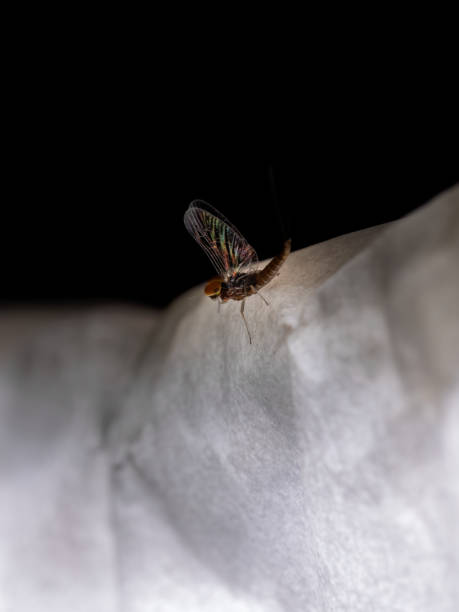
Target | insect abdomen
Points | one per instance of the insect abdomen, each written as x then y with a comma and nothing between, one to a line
270,270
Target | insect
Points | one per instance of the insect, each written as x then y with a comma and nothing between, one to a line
231,255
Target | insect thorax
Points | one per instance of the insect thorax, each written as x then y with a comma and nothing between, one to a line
238,287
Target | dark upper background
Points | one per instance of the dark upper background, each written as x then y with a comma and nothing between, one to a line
101,217
102,164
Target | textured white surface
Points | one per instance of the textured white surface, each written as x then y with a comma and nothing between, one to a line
159,462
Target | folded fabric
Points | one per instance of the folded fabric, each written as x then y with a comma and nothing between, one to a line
157,461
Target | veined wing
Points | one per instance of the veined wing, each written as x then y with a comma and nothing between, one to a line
227,249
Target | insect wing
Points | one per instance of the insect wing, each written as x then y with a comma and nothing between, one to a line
227,249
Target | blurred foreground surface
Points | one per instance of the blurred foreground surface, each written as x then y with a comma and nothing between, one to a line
157,461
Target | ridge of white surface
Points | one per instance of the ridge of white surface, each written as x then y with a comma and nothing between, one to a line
157,461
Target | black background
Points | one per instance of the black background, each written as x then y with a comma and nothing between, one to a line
102,162
102,219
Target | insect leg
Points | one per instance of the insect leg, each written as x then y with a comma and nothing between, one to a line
258,293
242,315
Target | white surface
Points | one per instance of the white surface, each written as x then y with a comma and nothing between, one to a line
159,462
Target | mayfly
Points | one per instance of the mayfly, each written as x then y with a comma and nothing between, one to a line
231,255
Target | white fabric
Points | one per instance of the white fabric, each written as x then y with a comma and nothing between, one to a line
158,462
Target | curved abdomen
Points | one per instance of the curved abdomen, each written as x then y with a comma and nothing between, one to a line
270,270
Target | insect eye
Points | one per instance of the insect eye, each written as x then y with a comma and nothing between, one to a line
213,288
